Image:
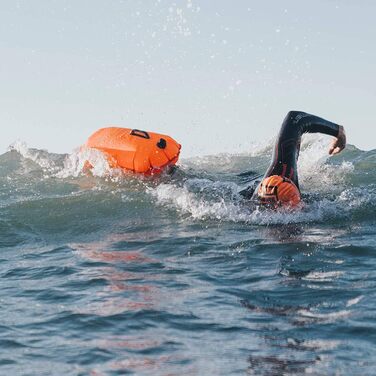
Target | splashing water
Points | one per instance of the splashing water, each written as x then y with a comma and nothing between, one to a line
208,187
109,273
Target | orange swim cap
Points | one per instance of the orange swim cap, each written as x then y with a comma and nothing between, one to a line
277,190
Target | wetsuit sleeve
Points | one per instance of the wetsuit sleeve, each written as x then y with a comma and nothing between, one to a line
248,192
286,151
308,123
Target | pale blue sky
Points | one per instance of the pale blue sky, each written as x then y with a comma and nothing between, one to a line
215,75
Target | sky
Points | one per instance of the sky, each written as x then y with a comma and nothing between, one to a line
216,75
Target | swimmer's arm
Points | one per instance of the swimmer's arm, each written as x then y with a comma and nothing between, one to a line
315,124
248,192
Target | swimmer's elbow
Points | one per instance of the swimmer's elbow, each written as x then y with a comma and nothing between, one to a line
293,114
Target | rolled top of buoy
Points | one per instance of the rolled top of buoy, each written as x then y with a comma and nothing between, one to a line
277,190
136,150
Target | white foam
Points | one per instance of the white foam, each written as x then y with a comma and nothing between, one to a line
315,175
74,164
323,276
354,301
40,157
203,199
188,202
315,344
218,199
328,317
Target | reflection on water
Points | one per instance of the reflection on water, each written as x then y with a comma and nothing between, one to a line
274,366
138,363
155,365
129,285
125,292
305,272
283,233
300,233
183,277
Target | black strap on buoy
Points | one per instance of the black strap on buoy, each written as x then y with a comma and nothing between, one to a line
162,143
138,133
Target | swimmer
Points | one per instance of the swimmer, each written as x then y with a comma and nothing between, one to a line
280,185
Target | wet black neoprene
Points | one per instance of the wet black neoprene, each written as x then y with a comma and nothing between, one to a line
287,147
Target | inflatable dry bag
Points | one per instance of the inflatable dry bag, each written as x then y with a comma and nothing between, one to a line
136,150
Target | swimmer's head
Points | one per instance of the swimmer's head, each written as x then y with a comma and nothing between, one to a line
275,191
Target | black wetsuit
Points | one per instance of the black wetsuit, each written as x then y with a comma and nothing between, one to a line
286,152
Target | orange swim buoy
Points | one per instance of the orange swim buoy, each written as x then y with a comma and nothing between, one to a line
279,190
136,150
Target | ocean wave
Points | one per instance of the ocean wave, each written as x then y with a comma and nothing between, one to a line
205,188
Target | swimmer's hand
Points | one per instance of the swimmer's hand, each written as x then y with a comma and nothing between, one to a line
339,143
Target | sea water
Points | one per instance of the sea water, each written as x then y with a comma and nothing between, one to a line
111,274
